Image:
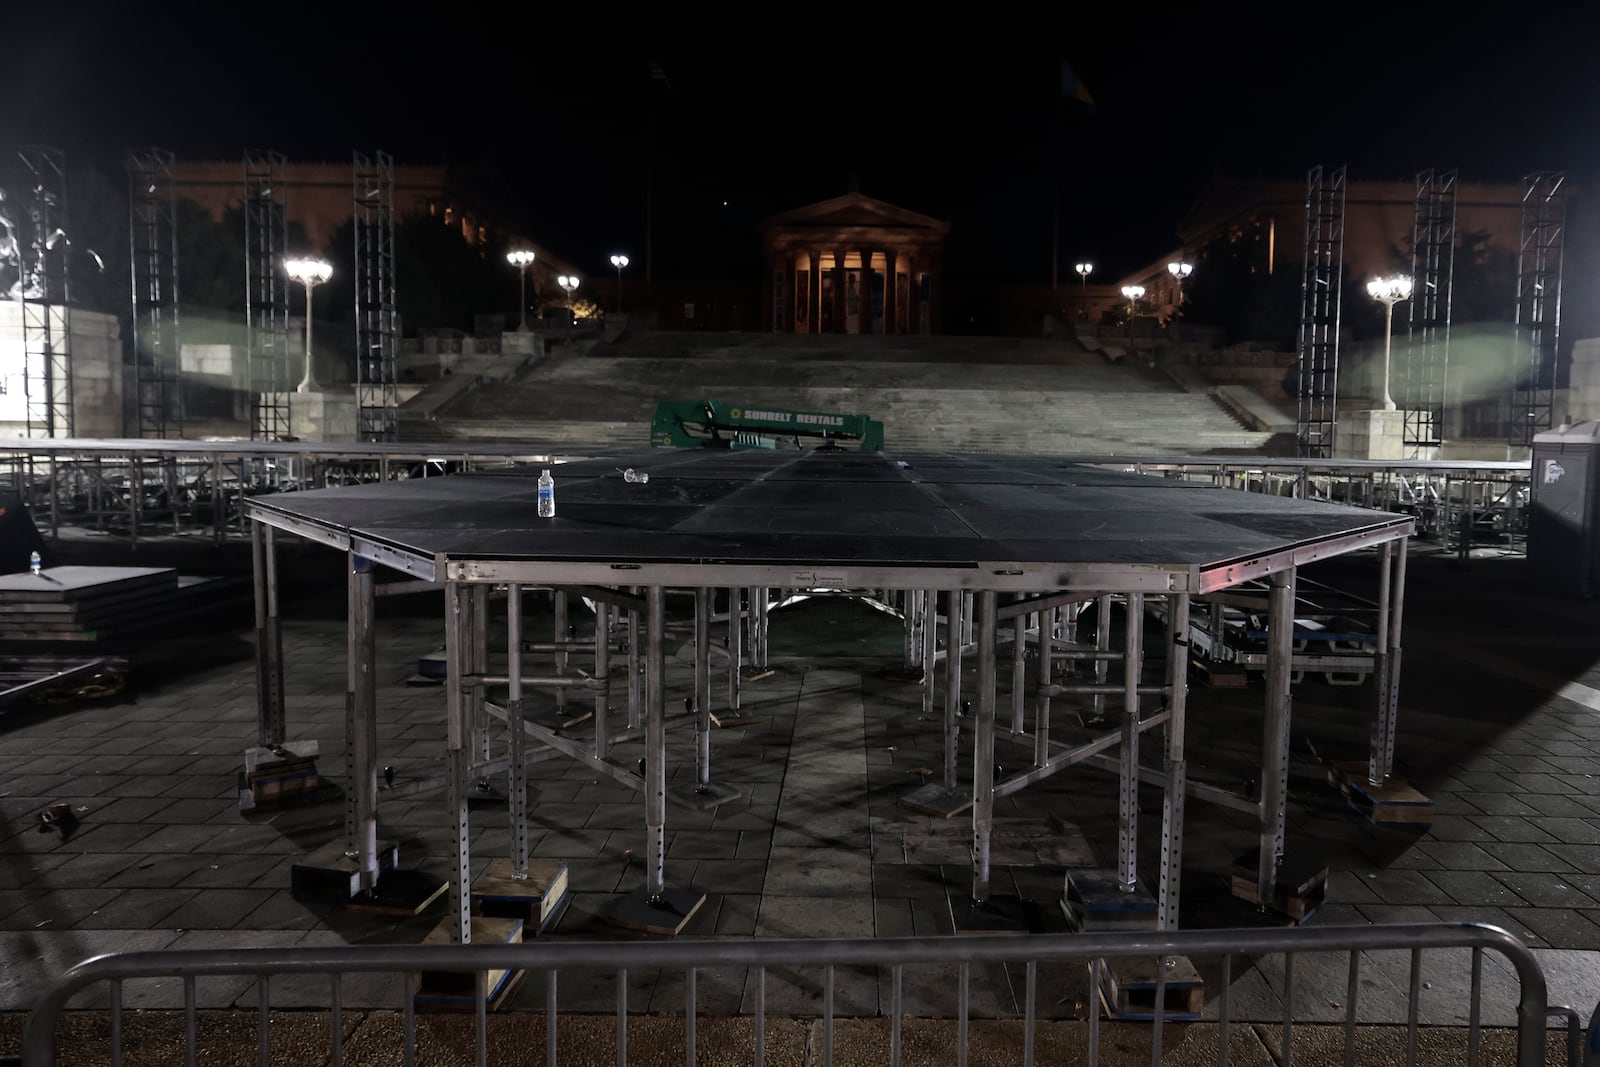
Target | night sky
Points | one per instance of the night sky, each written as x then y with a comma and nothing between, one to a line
966,129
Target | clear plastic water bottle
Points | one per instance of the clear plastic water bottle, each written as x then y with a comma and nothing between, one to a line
547,495
34,562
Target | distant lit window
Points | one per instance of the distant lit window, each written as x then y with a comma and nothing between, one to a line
688,311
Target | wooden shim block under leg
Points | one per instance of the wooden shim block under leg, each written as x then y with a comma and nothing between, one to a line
1128,988
1301,888
536,900
1394,803
454,991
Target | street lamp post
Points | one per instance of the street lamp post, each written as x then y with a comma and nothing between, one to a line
1133,293
310,273
1084,270
619,262
1180,269
522,259
569,283
1388,292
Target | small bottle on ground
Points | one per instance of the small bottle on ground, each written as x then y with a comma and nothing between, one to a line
547,495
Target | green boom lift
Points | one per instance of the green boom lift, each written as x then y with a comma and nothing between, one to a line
708,424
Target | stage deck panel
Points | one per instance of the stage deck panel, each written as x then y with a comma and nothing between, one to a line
868,510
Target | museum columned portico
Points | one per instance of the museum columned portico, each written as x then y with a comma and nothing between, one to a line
854,264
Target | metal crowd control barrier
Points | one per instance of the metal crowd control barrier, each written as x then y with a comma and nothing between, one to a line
556,959
149,485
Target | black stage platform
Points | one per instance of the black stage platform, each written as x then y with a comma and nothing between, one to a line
1047,532
935,520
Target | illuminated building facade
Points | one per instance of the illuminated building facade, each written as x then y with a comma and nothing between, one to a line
853,264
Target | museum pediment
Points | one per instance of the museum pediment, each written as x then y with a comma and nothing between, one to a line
855,210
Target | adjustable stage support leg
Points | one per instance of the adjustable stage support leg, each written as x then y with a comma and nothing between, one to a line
528,894
360,873
655,907
1270,878
1099,900
1372,788
942,798
276,770
706,794
983,912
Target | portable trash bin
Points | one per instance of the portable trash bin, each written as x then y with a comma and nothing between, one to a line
1562,542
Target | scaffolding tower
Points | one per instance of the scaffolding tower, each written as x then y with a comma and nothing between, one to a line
43,291
153,237
1538,318
1427,362
1317,407
266,239
377,318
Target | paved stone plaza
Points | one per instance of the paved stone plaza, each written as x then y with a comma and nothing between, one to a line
1497,726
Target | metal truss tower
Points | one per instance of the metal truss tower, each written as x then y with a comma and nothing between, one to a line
153,236
1320,287
1539,260
1427,362
43,291
377,318
266,239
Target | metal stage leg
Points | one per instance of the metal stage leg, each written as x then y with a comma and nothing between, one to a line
983,747
477,660
930,649
1041,710
559,597
457,710
941,797
655,907
361,726
1176,784
1019,650
1128,791
706,794
758,650
1373,788
517,798
911,602
635,698
1102,644
956,612
735,649
983,912
1391,604
269,636
1275,735
602,671
276,770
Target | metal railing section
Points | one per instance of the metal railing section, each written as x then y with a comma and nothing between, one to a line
129,485
553,959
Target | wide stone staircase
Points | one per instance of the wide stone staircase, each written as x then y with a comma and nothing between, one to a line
932,393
